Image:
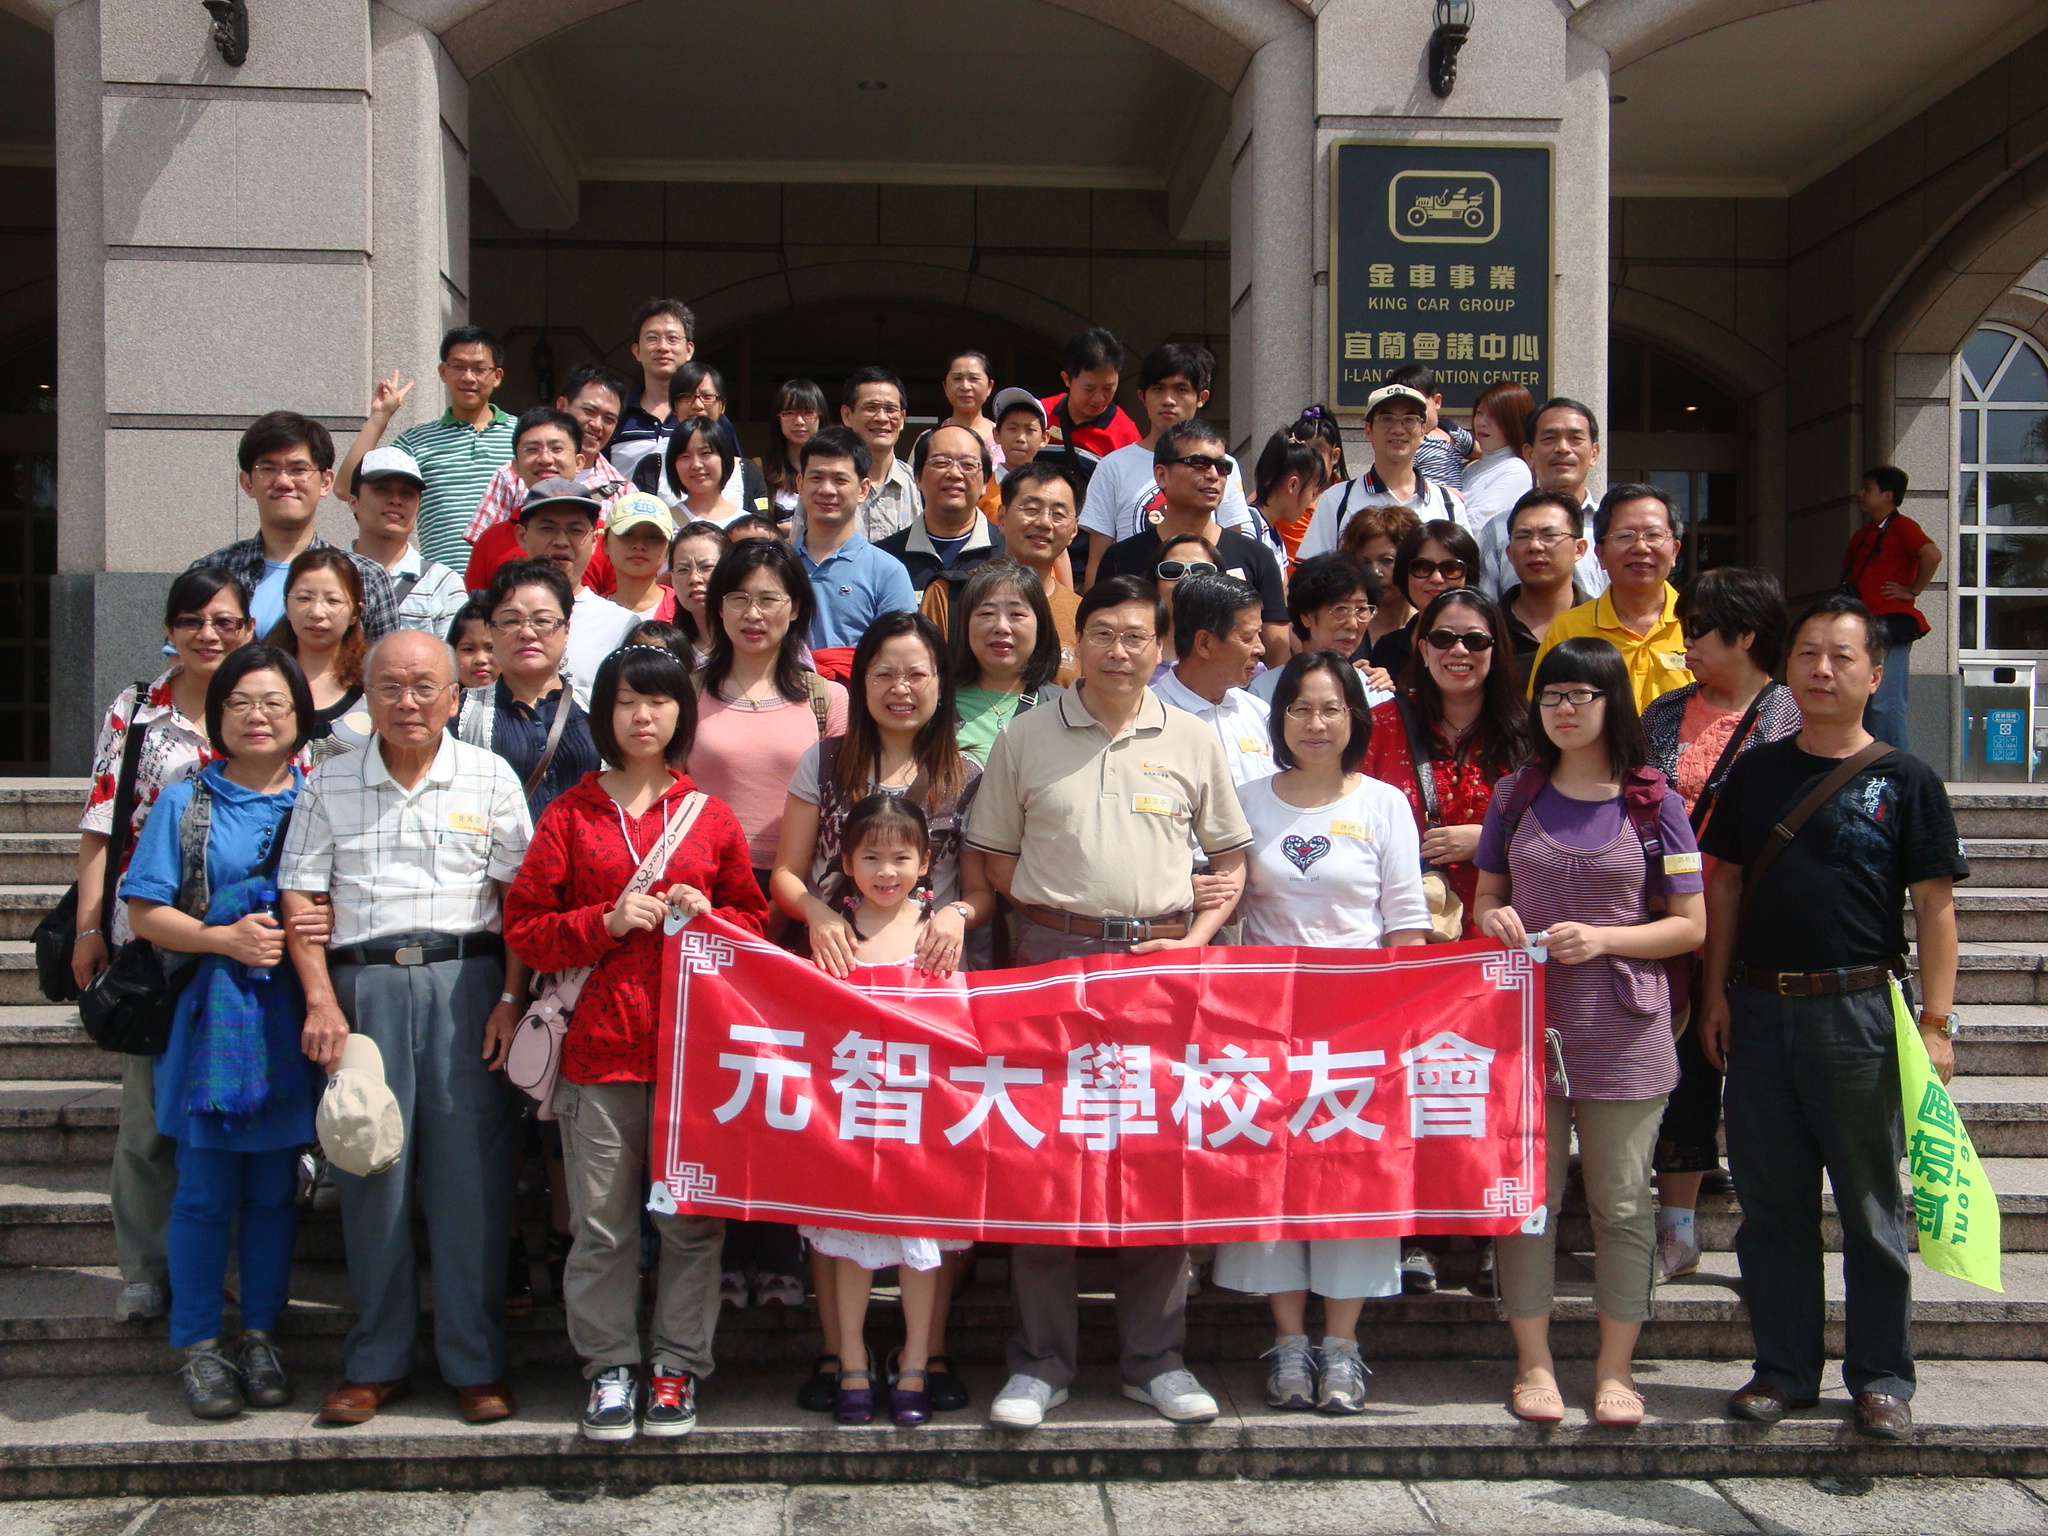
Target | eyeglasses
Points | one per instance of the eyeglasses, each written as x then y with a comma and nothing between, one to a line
1173,570
270,705
1649,538
1450,570
703,397
1032,506
325,602
945,463
1321,714
880,408
1203,463
399,693
296,472
1578,698
767,603
1403,420
199,623
1113,639
471,370
542,624
913,679
1346,613
1477,641
796,415
1545,538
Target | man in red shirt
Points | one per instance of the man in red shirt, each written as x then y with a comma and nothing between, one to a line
1889,562
1086,420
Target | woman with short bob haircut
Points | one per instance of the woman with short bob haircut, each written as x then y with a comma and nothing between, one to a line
1566,855
698,482
568,907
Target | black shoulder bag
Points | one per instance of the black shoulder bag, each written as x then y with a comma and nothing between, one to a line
56,936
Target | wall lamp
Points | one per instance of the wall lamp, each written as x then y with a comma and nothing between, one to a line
231,29
1453,27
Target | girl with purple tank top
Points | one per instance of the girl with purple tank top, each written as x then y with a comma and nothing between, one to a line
1573,871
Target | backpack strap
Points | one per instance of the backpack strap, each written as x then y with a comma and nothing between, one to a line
1529,782
1642,802
121,829
821,701
195,828
1425,764
1703,806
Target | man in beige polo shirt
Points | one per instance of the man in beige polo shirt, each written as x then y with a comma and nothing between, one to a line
1085,813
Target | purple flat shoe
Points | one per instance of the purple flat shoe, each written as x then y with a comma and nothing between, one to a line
854,1405
911,1407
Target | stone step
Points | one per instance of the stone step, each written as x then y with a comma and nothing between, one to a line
2006,861
2009,1040
41,805
80,1436
44,1041
23,906
2007,1116
2001,973
1998,914
59,1123
38,858
18,985
57,1319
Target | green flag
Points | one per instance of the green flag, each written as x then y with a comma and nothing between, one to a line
1953,1204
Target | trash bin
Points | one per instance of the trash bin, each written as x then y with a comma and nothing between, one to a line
1998,721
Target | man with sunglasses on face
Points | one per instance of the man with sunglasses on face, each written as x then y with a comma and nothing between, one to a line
1396,423
1637,534
1192,469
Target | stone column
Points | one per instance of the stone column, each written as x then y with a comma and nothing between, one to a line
1272,240
218,240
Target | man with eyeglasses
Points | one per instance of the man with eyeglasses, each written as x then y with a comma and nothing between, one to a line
1191,470
1396,422
1086,813
950,537
591,395
547,444
853,581
558,524
1545,541
459,453
1636,531
1038,520
287,466
1563,447
413,842
664,338
386,499
872,406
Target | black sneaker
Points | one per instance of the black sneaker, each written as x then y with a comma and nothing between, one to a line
609,1415
671,1405
264,1382
210,1382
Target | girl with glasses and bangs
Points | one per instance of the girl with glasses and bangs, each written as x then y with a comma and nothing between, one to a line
1589,850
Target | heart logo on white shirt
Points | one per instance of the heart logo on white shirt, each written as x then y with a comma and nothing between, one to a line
1304,851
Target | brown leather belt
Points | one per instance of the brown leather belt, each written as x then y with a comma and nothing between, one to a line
1856,978
1110,930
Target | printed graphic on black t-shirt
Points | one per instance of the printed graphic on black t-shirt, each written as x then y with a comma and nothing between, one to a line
1836,896
1245,559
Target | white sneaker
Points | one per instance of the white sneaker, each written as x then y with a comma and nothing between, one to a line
1678,1253
140,1302
1177,1395
1024,1402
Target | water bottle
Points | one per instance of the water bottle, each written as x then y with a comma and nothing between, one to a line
268,898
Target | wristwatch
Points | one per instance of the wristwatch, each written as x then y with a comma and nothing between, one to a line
966,912
1947,1023
510,997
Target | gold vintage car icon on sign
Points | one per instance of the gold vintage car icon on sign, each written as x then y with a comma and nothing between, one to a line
1443,207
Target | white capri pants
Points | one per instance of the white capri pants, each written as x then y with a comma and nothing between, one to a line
1344,1268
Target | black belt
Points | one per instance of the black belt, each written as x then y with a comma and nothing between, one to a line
1854,978
417,949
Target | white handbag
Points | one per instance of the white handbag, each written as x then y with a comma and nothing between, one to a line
535,1058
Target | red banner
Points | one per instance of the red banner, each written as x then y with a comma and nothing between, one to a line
1187,1096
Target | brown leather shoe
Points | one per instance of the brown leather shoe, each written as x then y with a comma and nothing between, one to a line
1883,1417
487,1403
357,1402
1761,1403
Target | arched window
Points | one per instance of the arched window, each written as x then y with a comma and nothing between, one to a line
2001,569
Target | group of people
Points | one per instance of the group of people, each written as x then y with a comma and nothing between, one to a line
1047,687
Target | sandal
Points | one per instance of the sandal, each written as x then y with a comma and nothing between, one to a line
1536,1405
943,1382
911,1406
815,1395
1617,1407
854,1405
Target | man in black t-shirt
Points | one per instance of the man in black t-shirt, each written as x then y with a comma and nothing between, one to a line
1797,1005
1190,464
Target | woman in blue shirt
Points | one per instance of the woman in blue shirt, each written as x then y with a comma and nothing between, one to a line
233,1087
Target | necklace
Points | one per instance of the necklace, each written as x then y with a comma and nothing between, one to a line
1004,716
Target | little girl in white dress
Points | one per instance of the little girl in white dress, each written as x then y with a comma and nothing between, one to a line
885,853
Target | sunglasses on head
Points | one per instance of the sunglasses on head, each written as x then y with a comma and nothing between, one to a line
1173,570
1476,641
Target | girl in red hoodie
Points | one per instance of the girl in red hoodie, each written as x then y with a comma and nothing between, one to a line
568,908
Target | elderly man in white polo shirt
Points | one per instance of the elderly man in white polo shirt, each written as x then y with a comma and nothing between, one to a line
413,841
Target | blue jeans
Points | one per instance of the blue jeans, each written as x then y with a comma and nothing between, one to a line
1885,715
1813,1085
213,1189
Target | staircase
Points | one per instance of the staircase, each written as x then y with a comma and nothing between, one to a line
88,1407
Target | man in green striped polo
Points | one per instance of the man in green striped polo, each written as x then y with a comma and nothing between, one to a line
457,454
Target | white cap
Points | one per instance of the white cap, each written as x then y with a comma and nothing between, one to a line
383,463
360,1127
1005,398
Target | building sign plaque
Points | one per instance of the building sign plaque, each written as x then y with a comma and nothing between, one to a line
1439,254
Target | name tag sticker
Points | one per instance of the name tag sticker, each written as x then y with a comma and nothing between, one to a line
1254,745
1154,805
1681,863
1352,829
465,821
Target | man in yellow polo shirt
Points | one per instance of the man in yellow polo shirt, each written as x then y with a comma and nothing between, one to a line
1636,534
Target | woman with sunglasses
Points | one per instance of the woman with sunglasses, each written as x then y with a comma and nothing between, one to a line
1434,557
1565,857
1735,624
206,618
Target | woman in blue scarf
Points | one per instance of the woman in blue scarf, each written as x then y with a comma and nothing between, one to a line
233,1087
